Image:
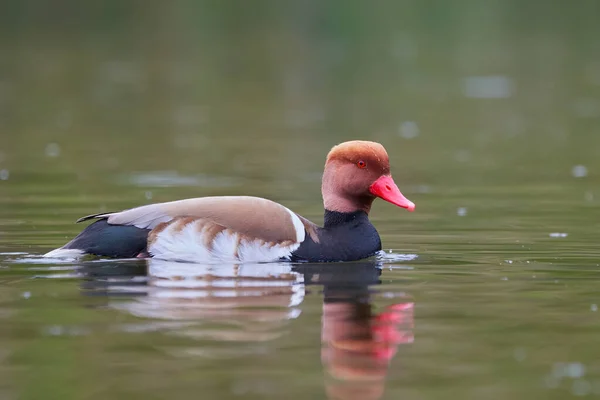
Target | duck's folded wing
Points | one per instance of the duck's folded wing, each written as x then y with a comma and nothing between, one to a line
250,217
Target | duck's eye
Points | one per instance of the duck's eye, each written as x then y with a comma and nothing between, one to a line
361,164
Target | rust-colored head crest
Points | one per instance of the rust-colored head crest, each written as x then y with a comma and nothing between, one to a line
363,153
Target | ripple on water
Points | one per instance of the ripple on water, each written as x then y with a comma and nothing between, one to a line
38,259
488,87
390,256
558,235
58,276
174,179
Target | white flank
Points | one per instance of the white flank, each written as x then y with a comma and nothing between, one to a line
187,245
298,225
65,253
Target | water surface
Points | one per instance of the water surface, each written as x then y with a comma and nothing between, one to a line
489,111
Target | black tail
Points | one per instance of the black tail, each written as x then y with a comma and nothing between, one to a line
103,239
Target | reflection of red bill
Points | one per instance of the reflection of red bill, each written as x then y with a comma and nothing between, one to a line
388,331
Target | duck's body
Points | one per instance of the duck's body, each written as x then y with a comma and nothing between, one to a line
252,229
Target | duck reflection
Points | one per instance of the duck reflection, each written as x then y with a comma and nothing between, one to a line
358,343
361,327
243,303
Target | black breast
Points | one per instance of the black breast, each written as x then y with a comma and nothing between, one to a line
344,237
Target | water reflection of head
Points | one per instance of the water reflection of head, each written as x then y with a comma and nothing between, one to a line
358,344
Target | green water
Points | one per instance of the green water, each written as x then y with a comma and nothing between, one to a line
490,112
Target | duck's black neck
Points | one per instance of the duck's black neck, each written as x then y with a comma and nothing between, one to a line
336,218
344,237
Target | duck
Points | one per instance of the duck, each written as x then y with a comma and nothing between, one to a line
244,229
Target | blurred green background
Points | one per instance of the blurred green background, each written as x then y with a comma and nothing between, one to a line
490,111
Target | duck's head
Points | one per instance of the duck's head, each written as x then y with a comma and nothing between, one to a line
357,172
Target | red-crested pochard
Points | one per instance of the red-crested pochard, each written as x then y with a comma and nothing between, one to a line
253,229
